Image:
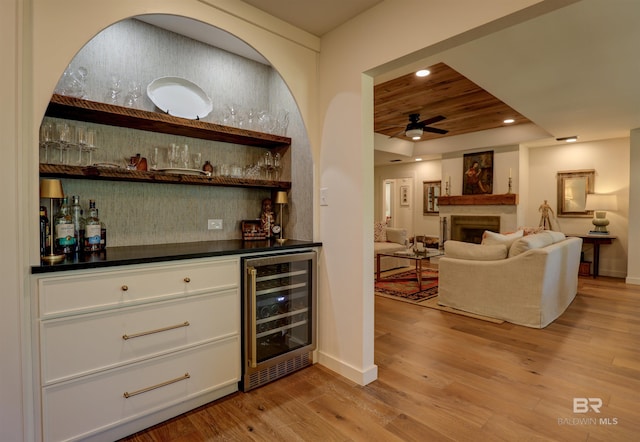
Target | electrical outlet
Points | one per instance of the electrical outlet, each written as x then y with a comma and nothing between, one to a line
214,224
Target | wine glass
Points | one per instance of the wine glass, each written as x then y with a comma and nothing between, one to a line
46,140
173,154
153,158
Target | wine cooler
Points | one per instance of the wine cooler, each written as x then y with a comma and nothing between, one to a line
279,309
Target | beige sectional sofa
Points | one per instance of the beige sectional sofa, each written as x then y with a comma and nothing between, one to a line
389,240
526,280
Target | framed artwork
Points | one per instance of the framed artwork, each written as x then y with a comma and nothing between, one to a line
477,177
573,187
430,195
404,195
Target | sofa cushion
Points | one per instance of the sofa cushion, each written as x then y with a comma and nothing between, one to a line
476,252
397,235
379,232
491,238
529,242
556,236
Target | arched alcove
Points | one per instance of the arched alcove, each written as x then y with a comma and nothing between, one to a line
139,50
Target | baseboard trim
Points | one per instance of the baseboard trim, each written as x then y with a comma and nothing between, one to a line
632,280
360,377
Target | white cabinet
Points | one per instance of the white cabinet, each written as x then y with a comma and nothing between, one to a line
123,348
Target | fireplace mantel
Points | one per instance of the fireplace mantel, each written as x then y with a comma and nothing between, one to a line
506,199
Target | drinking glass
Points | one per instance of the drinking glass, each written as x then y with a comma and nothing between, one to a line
173,154
184,156
153,158
113,92
91,143
133,93
64,141
81,141
197,161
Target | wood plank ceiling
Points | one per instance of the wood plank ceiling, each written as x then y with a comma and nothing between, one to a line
466,106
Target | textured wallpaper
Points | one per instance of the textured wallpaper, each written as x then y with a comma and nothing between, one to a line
147,213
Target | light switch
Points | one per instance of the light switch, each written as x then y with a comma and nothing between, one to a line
324,196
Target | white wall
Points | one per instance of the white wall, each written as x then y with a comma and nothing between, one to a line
419,172
610,160
633,266
350,54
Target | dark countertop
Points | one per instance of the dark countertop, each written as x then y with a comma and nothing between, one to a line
117,256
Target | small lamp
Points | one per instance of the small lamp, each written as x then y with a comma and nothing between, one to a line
51,189
281,200
600,204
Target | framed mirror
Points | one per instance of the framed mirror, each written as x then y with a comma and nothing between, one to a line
573,187
430,195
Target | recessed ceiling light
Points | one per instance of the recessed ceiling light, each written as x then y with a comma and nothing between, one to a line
571,139
423,72
418,159
509,121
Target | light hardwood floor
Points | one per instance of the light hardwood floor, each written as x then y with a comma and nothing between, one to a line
447,377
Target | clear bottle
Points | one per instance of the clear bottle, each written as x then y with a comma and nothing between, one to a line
78,222
44,232
92,230
65,239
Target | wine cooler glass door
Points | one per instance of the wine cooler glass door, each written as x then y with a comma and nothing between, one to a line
282,310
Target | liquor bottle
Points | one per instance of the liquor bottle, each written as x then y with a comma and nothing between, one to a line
103,234
65,239
44,232
92,230
78,222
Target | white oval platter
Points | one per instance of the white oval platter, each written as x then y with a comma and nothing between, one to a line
179,97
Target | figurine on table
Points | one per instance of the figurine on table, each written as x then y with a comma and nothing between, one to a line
266,218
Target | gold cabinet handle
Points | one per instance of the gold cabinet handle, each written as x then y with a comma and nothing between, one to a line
187,279
124,288
157,330
127,395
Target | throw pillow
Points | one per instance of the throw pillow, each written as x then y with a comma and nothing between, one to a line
491,238
529,242
475,252
556,236
531,230
379,232
397,235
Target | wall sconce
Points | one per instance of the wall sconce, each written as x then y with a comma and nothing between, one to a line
600,204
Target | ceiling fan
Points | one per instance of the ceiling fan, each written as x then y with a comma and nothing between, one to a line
415,128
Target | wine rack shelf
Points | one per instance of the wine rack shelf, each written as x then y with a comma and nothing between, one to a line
121,174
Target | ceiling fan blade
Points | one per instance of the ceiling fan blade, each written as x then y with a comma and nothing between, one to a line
433,120
398,134
435,130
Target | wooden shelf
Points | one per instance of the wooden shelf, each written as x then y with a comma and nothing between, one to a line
506,199
72,108
113,174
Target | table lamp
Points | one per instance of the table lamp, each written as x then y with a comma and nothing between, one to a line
600,203
281,200
51,189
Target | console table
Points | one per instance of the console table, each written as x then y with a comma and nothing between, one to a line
596,240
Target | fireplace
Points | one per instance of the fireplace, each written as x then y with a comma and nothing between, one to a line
471,228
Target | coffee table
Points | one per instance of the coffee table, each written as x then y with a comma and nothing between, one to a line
418,260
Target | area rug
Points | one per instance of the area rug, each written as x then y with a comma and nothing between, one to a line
403,285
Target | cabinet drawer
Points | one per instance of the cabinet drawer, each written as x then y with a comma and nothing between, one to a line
77,345
97,290
88,405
